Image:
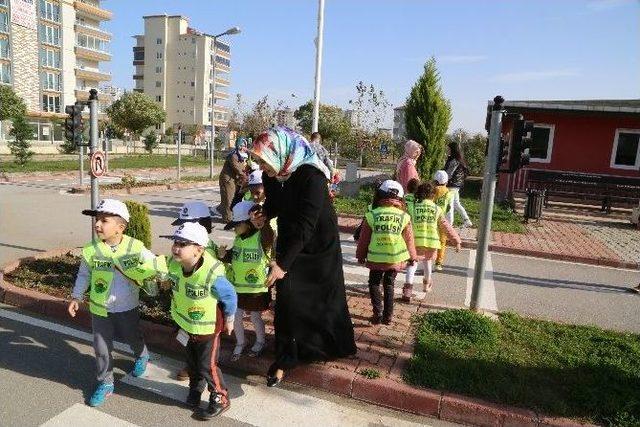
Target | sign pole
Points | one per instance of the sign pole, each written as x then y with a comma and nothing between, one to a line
179,149
93,145
81,161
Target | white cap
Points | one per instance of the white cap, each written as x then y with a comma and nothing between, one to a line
191,232
441,177
110,206
255,178
240,213
390,186
192,211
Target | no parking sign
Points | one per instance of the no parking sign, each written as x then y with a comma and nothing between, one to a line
98,164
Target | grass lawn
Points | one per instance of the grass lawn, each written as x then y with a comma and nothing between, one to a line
560,370
130,161
503,218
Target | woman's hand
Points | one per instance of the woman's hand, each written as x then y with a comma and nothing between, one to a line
276,273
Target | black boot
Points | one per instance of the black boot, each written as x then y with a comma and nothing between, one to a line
194,398
387,284
217,405
376,302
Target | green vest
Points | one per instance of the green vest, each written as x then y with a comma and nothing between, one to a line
194,305
426,218
247,196
444,201
102,262
409,200
387,244
249,265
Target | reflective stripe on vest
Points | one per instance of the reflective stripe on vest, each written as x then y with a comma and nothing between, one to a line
102,262
426,216
387,243
249,265
194,304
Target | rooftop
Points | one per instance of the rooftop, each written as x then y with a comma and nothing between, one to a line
605,105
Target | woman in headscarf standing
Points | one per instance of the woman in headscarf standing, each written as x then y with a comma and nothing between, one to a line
312,320
232,177
406,169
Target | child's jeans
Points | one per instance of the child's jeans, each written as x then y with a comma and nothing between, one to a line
258,325
387,278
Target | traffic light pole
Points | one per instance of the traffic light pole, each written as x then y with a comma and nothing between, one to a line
179,150
93,147
486,207
81,159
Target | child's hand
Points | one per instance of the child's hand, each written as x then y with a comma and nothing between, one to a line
228,326
458,246
222,251
73,307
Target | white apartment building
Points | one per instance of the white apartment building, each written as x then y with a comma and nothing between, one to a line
51,53
399,131
174,66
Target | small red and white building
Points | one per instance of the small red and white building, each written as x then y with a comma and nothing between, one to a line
591,141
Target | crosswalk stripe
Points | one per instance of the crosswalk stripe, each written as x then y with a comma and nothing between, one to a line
80,414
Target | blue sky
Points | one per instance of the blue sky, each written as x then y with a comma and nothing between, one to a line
542,49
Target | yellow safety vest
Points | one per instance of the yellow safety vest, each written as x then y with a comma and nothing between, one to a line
409,199
249,264
444,201
387,243
426,217
102,262
194,304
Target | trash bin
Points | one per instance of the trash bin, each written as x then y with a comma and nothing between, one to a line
534,204
351,174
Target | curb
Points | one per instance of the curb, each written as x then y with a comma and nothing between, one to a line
386,392
472,244
145,189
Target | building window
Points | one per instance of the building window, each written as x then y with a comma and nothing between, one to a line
3,2
158,55
4,48
50,81
4,22
626,149
91,42
138,55
49,57
193,84
5,73
159,98
158,69
49,34
51,103
158,41
49,10
542,143
158,83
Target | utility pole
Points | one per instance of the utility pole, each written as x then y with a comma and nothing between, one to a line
486,206
319,41
179,149
93,147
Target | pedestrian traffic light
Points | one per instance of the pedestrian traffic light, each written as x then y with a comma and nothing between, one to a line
74,124
522,136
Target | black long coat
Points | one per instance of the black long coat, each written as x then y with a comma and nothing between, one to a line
312,320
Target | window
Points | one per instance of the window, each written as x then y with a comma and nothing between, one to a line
138,55
49,34
626,149
49,57
91,42
3,2
4,48
158,55
159,98
49,10
542,143
50,81
158,41
158,69
193,84
4,22
51,103
158,83
5,73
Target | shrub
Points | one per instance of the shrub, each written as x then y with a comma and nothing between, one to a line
139,225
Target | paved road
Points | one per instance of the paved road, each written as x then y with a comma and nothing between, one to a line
35,217
46,374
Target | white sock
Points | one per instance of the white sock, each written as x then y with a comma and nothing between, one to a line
410,273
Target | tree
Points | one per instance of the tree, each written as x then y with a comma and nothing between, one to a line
427,118
259,119
473,149
370,108
22,132
135,112
11,105
150,141
139,226
196,132
332,124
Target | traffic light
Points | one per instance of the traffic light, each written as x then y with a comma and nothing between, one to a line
521,140
74,124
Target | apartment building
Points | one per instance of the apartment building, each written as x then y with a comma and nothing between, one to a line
51,53
174,65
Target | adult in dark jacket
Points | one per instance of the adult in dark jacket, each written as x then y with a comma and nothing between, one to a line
232,177
456,169
312,320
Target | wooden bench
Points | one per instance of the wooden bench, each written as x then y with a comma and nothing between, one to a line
603,189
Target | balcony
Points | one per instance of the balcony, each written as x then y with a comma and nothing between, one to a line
222,95
222,68
85,28
222,82
86,8
220,109
93,74
92,54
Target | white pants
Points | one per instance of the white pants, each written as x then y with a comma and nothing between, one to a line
455,204
427,265
258,325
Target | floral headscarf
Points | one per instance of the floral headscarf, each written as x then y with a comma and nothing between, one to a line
285,151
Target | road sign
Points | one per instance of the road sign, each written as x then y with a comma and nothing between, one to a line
384,149
98,164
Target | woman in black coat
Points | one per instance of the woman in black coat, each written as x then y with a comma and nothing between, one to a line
312,320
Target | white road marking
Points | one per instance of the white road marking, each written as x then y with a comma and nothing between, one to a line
488,295
80,414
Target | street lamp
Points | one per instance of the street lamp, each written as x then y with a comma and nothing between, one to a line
316,94
231,31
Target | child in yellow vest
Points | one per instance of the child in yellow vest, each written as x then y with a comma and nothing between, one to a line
410,197
429,224
111,269
386,245
249,261
443,198
203,304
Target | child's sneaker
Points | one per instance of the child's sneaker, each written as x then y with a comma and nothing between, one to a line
375,319
237,352
140,366
194,398
257,349
439,266
217,405
101,393
407,292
